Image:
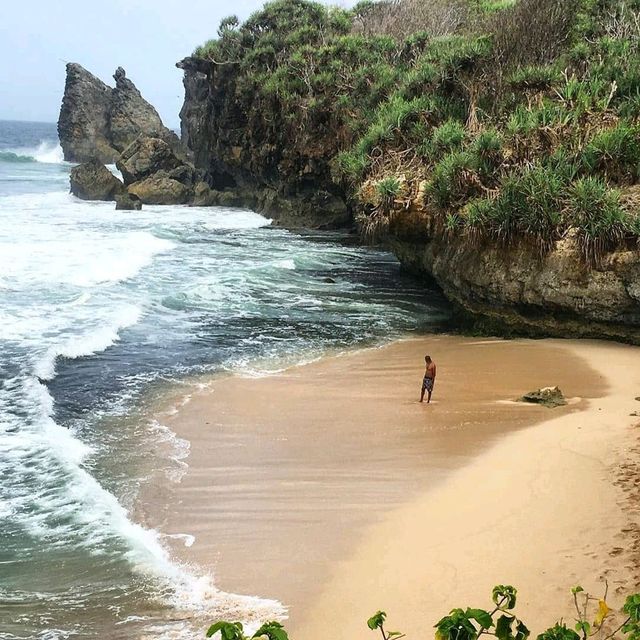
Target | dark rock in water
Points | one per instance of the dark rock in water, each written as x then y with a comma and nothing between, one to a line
161,189
83,125
128,202
93,181
203,196
131,115
329,280
146,156
97,122
548,396
260,160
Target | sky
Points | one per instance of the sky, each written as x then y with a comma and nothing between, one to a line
145,37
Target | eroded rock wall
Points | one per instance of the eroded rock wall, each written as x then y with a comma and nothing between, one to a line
254,154
515,290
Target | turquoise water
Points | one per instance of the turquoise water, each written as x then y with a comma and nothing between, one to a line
97,309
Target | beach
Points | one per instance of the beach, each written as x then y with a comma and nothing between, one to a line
331,489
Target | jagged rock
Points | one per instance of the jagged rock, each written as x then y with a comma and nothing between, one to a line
161,189
548,396
146,156
286,177
93,181
98,122
203,196
128,202
131,115
83,125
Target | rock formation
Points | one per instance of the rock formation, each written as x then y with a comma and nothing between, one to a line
238,152
97,122
550,397
160,188
144,157
93,181
155,174
128,202
514,290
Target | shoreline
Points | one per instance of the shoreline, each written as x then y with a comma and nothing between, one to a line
264,530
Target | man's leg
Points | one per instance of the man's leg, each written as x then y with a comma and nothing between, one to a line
422,394
429,397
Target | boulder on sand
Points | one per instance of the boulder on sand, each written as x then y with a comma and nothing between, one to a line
547,396
93,181
128,202
161,189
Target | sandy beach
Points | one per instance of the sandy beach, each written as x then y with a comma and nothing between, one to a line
330,488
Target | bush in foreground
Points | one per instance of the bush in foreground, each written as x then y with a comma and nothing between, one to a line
594,618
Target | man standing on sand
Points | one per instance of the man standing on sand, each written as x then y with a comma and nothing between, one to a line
429,378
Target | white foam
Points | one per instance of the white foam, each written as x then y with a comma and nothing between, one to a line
88,343
48,153
219,218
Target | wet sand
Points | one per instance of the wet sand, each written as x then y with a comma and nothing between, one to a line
330,488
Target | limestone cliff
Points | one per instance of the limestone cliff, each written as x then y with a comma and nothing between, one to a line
516,291
255,154
497,154
98,122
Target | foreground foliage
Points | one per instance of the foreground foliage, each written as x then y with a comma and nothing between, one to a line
593,618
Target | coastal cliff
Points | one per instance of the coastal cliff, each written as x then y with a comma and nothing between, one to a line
494,146
251,149
98,122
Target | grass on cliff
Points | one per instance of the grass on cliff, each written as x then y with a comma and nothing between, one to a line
509,120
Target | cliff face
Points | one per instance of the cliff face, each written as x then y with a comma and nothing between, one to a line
97,122
279,171
497,153
517,291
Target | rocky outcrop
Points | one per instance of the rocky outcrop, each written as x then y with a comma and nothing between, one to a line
550,397
93,181
281,172
146,156
128,202
160,188
514,290
97,122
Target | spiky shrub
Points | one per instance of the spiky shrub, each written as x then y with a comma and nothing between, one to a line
447,137
388,189
533,77
615,153
595,211
455,179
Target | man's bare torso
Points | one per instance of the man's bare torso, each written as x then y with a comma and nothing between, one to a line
430,371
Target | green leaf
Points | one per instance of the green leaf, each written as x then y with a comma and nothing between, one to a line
394,634
273,630
577,589
228,630
503,627
522,632
376,620
583,626
482,617
504,596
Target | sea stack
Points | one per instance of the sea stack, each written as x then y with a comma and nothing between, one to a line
98,122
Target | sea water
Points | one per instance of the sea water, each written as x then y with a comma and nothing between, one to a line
98,308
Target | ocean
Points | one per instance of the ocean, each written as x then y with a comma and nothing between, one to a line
101,311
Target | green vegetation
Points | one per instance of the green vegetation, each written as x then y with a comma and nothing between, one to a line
511,120
594,619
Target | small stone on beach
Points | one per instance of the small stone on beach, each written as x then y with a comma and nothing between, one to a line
550,397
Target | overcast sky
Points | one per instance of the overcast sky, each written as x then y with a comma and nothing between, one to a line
146,37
